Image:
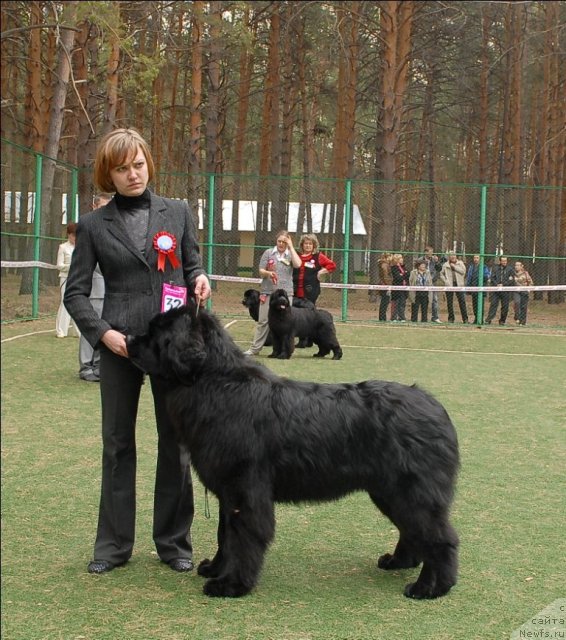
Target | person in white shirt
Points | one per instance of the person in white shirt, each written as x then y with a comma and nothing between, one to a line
64,255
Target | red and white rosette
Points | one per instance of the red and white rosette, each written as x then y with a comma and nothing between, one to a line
165,244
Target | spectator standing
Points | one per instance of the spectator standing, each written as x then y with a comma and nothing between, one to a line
400,278
521,298
384,277
473,280
453,274
434,265
420,277
145,244
276,270
314,265
89,358
63,320
502,276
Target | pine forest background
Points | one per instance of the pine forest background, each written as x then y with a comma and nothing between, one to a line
415,104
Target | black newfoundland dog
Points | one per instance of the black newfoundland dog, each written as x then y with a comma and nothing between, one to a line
256,438
251,302
308,324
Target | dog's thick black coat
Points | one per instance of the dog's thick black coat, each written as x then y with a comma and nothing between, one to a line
309,324
251,302
256,438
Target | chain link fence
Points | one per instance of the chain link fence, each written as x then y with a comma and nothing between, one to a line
356,221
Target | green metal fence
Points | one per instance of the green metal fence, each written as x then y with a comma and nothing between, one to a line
355,221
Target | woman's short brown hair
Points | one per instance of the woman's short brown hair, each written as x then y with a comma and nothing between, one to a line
312,238
114,150
71,228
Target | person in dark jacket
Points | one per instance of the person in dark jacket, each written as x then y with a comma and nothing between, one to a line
503,276
384,277
400,278
146,247
473,280
314,265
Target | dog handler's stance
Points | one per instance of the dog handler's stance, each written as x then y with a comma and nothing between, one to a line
146,246
276,270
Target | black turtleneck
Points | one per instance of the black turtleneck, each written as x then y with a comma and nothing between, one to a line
135,216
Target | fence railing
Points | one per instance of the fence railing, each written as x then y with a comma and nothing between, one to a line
356,220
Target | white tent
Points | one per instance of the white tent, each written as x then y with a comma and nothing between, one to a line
247,217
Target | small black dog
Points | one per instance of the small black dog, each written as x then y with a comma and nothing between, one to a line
286,323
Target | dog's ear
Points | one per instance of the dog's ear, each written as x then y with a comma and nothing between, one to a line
186,349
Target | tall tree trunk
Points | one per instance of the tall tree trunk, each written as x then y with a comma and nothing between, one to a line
86,139
555,149
396,23
512,155
172,160
214,124
483,160
193,160
65,47
269,141
243,92
112,80
288,99
343,147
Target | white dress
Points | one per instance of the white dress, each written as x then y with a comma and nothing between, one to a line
63,320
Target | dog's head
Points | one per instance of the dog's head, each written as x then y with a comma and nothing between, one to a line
251,302
174,347
279,300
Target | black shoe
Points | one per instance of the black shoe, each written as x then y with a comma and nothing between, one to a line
181,564
100,566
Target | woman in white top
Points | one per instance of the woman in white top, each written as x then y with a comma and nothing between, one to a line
64,255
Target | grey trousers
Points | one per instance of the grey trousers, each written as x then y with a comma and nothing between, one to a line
89,358
173,508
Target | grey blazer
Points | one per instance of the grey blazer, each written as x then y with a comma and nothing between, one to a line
133,283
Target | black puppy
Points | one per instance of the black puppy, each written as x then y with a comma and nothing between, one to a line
256,438
286,323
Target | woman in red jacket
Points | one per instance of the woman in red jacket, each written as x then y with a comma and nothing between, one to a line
306,279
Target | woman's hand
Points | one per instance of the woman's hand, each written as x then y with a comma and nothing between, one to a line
116,342
202,289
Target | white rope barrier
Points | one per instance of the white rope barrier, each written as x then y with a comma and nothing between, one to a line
31,263
339,285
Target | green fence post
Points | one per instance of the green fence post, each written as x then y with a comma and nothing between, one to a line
347,213
210,231
74,193
483,212
36,235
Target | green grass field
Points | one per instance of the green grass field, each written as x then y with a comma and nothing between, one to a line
505,393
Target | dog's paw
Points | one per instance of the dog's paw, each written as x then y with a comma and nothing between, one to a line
424,592
206,569
389,562
217,588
